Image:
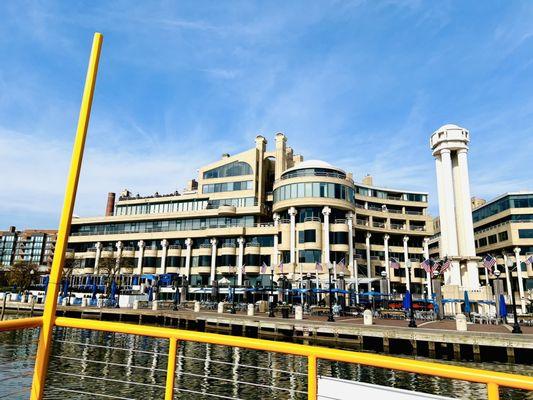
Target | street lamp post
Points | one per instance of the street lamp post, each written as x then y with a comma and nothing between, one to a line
271,302
232,288
412,322
516,325
384,288
330,315
497,274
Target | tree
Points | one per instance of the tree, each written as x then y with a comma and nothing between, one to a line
21,274
111,268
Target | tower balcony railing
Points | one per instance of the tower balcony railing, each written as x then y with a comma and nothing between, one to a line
303,173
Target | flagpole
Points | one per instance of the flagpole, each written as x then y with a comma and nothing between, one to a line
356,275
301,285
317,286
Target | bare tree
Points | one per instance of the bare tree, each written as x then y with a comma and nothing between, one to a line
111,268
21,273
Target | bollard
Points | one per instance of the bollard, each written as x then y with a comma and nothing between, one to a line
367,317
298,312
460,322
155,304
100,302
196,306
2,295
220,309
13,297
251,309
64,301
135,304
84,302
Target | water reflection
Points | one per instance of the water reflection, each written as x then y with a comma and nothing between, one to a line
132,367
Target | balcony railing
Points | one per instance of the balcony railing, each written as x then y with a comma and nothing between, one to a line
253,244
340,221
396,226
228,245
312,219
302,173
362,222
205,246
378,224
174,247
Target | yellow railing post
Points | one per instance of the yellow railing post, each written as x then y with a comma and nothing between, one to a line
312,380
43,351
493,391
171,369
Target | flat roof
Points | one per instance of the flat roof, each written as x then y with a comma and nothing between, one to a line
501,196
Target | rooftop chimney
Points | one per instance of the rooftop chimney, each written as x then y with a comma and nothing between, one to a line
110,208
367,180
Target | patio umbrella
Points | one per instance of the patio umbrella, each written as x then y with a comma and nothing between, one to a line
407,300
151,293
65,288
113,290
503,307
467,303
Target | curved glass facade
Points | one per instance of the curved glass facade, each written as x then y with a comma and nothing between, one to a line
314,189
235,168
313,172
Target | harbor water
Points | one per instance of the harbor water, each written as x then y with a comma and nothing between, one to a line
93,365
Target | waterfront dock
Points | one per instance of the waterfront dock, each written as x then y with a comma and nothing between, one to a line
433,339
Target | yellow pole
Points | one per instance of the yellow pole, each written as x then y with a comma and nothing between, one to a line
493,391
312,382
171,369
45,338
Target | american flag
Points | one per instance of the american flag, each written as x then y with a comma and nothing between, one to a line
446,263
489,262
529,260
263,268
281,268
435,267
394,263
427,265
318,266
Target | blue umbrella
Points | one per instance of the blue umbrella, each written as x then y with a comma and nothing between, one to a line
113,290
65,288
151,293
467,303
95,288
503,307
407,300
45,282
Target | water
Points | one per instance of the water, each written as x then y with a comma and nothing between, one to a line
93,365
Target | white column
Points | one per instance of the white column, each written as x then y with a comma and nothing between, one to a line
326,211
163,268
119,245
368,264
240,259
507,277
275,260
428,274
188,243
98,247
520,279
141,246
292,214
387,263
442,208
448,199
213,260
406,262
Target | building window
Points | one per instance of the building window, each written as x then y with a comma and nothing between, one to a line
482,242
309,235
226,187
235,168
338,237
525,233
314,189
492,239
309,256
502,236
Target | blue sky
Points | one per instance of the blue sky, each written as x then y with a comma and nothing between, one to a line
360,84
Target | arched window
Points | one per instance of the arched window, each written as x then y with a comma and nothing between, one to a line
235,168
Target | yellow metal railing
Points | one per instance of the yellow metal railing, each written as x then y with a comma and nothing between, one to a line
493,380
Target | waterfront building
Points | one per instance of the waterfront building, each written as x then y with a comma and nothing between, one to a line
263,207
34,246
503,228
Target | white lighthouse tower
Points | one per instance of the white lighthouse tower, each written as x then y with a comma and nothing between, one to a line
449,144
